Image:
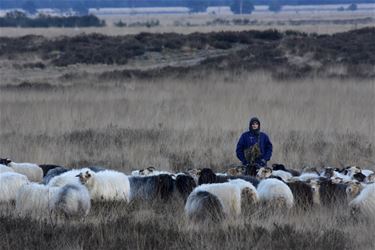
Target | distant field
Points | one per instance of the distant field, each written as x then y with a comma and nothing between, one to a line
189,23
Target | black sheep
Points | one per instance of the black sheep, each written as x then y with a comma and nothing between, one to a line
185,185
208,176
282,167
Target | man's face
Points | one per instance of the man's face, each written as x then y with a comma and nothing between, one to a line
254,125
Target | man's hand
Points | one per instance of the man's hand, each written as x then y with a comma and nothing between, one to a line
263,162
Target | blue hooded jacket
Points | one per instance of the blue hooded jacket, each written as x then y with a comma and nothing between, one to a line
250,138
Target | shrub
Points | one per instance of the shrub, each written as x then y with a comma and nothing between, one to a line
275,6
352,7
19,19
242,6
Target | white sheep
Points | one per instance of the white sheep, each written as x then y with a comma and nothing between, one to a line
32,171
37,200
202,206
10,183
364,202
72,200
304,177
286,176
274,190
106,185
5,169
148,172
367,172
69,177
266,172
229,194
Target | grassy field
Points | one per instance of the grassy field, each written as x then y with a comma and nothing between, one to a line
190,123
175,124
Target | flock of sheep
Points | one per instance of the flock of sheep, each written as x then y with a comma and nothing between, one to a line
38,190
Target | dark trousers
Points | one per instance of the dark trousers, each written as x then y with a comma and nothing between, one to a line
251,169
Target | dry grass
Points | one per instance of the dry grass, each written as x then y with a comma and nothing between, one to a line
163,226
189,123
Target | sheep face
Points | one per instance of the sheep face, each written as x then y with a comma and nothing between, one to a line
352,170
329,172
353,189
5,161
337,180
264,173
315,187
235,171
314,184
84,177
194,172
146,171
371,178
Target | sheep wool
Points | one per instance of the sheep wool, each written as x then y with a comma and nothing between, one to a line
365,201
69,177
106,185
32,171
10,183
270,190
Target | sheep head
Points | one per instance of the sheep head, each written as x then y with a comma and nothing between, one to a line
314,184
277,166
236,171
337,180
194,172
353,189
352,170
84,177
371,177
5,161
329,172
264,172
206,175
147,171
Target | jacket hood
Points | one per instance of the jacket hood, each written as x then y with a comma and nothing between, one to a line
254,119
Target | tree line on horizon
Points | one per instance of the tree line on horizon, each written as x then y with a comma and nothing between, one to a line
237,6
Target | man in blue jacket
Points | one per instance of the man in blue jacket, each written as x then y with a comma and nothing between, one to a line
254,148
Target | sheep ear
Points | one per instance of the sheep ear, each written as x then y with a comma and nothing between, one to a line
151,169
